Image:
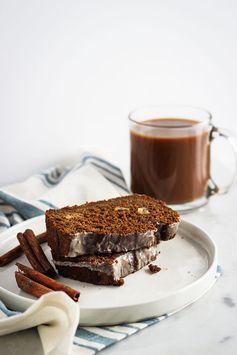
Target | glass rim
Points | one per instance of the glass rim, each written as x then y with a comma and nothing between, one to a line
180,106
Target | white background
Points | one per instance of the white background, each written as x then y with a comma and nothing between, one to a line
70,71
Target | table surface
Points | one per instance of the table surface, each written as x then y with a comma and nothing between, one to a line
209,326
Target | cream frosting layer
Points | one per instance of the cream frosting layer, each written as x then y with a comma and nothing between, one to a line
122,265
89,243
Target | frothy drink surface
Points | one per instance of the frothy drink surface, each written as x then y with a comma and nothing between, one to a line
170,160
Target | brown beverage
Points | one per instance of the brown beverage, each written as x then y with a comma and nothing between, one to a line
174,167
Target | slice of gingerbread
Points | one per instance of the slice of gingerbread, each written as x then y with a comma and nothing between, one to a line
106,269
113,226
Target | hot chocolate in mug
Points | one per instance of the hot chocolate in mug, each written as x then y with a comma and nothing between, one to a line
171,155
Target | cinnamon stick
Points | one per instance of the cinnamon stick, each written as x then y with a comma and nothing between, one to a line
34,253
14,253
48,282
39,253
28,252
30,286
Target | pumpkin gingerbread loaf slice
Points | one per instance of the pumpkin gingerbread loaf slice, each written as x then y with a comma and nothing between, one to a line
106,269
110,226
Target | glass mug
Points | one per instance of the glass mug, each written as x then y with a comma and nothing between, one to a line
170,155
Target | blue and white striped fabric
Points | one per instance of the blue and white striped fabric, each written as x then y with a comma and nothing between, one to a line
90,340
93,178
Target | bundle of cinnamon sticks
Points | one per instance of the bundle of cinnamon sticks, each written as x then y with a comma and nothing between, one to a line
34,253
39,280
14,253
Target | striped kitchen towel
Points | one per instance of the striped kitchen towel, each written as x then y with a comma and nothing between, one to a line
92,178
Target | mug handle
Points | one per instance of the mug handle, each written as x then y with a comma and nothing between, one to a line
213,188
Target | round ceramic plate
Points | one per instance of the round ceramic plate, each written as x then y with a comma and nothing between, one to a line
188,267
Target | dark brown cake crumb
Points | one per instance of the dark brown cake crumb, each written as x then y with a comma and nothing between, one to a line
120,282
154,268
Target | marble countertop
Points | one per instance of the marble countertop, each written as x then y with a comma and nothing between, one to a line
209,326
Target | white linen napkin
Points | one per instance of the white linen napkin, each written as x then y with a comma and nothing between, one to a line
56,317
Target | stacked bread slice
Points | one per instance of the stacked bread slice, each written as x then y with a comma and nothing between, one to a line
102,242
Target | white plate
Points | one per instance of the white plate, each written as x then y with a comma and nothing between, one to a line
188,267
